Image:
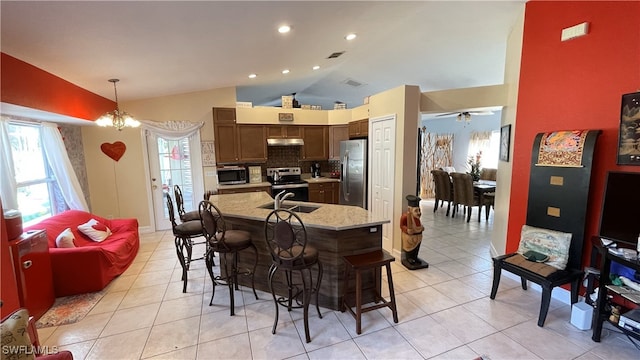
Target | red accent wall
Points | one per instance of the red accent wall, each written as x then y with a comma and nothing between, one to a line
576,84
26,85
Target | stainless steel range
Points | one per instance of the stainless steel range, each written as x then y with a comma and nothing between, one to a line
288,179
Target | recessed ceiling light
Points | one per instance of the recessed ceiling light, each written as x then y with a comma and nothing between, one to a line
284,29
350,36
316,67
252,76
285,71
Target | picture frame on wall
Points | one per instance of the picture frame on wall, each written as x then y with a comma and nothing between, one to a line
629,134
505,142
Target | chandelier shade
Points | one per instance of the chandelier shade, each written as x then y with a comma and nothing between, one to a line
117,118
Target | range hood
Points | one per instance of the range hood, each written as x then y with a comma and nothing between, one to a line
284,142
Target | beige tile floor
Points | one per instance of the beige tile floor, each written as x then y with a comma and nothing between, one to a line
444,313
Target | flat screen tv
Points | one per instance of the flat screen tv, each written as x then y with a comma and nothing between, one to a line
620,215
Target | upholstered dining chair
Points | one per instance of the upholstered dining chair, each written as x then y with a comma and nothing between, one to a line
463,194
286,238
227,243
184,233
488,174
184,215
443,189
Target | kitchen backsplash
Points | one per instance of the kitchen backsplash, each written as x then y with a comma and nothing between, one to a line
290,156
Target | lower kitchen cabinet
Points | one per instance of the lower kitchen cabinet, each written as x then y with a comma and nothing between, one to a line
245,190
326,192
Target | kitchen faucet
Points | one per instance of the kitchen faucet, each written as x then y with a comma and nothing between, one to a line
279,199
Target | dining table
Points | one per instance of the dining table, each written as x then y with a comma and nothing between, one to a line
481,187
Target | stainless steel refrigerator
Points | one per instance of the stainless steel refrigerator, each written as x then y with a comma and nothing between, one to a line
353,173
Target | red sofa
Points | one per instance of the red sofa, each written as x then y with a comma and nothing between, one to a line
91,265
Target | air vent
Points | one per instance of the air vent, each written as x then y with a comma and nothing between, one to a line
353,83
335,55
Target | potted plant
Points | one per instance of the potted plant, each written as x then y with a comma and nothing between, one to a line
474,166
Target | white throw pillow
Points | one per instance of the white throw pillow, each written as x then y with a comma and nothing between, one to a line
95,230
65,239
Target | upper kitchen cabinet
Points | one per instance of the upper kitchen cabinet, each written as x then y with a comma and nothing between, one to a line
252,144
284,131
227,115
237,143
359,129
337,133
224,128
316,142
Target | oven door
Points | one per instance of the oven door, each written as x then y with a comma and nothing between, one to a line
300,191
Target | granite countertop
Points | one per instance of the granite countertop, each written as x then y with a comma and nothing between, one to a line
247,185
327,216
321,180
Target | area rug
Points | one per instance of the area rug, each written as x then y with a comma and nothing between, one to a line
69,309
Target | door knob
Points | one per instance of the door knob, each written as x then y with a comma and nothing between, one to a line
154,187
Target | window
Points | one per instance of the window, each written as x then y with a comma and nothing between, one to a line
489,144
38,194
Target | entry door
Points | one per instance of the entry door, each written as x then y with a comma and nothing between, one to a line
382,161
174,162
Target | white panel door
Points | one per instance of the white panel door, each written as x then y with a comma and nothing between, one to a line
382,150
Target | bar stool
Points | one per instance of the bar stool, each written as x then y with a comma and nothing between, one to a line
286,238
227,243
368,261
184,233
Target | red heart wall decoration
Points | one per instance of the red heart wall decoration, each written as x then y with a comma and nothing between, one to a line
115,150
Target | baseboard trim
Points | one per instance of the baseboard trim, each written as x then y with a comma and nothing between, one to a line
145,230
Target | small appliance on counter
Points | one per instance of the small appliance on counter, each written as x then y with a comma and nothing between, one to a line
315,170
229,175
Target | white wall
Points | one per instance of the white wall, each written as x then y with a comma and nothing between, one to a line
462,132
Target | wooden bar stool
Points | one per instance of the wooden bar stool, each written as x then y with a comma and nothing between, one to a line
369,261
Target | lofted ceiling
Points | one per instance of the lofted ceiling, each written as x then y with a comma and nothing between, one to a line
170,47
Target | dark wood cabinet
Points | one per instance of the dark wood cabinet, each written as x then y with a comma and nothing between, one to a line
226,143
237,143
252,144
359,129
337,133
325,192
316,142
238,190
284,131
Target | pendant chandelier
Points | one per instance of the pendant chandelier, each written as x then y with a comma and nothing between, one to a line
117,118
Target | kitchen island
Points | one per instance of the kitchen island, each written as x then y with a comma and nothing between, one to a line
335,230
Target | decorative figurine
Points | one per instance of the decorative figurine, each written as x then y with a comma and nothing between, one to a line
412,235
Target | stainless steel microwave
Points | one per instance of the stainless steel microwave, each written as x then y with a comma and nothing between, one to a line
229,175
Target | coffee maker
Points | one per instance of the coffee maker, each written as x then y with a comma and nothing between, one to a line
315,170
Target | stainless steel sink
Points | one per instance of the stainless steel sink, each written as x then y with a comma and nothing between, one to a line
293,207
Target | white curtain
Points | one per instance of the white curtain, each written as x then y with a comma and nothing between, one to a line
173,130
61,166
479,142
8,186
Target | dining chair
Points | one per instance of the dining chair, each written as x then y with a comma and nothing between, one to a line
286,238
443,189
465,195
488,174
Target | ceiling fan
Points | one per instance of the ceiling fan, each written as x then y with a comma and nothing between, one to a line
466,115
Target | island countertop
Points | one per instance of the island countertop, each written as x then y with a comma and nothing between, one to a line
327,216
